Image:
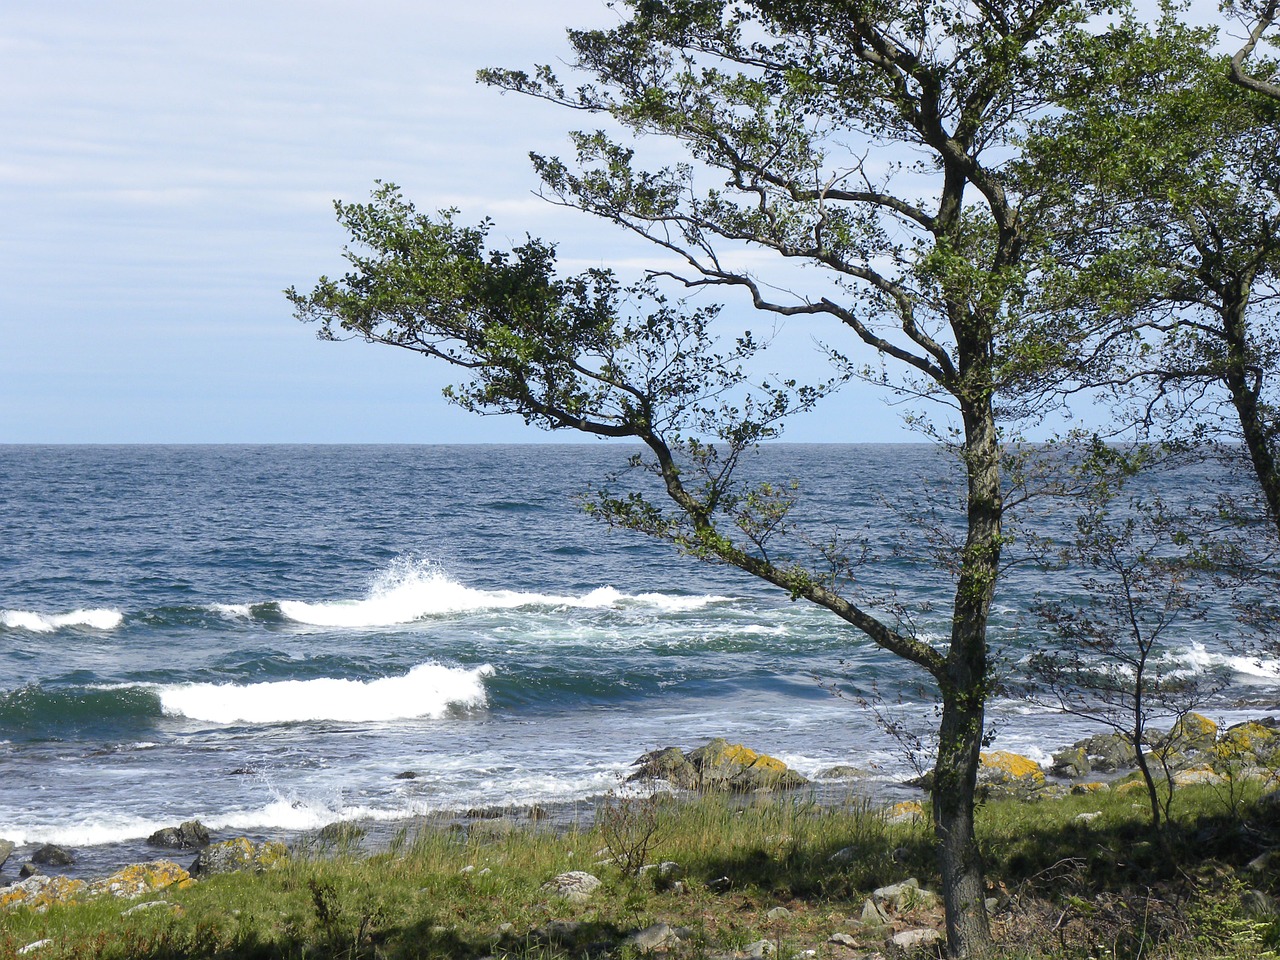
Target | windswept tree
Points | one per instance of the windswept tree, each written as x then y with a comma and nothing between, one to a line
1168,184
867,141
1259,17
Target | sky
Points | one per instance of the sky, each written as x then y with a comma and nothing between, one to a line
169,168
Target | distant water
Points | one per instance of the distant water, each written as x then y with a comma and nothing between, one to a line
271,638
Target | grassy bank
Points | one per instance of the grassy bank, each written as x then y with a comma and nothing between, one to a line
1064,886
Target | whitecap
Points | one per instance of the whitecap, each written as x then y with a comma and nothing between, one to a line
411,590
97,618
429,690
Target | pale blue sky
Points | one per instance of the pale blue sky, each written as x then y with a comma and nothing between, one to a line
169,167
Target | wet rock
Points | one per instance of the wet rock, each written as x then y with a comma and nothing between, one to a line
53,856
842,772
717,766
576,886
241,853
29,870
189,835
406,775
6,850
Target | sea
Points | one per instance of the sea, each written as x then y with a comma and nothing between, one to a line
272,639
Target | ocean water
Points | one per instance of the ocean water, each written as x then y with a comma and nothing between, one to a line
272,638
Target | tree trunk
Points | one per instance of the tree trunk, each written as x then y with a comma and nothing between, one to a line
964,691
1244,391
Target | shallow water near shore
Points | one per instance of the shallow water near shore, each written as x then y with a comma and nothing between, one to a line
271,639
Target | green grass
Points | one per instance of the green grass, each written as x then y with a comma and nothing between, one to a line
1066,888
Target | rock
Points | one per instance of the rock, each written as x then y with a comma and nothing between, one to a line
843,939
341,832
558,931
666,871
1245,745
140,879
186,836
841,771
39,892
29,870
1258,905
1108,752
241,853
1199,774
778,913
33,947
651,938
6,850
148,906
1263,862
1086,817
909,941
717,766
1193,731
894,891
873,915
576,886
905,811
1071,762
761,948
406,775
1093,786
842,856
53,856
1005,774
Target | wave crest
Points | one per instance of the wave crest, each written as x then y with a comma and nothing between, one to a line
428,691
99,619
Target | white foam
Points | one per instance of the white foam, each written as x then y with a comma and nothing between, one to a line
426,691
411,590
232,611
98,619
1199,659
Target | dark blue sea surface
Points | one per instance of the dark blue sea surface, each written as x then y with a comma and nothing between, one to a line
269,638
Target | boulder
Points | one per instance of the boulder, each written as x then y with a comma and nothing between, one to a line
651,938
576,886
241,853
717,766
911,941
905,811
40,892
842,771
189,835
1072,763
140,879
1193,731
1245,745
53,856
1005,774
6,850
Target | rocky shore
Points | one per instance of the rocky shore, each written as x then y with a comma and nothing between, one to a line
1194,750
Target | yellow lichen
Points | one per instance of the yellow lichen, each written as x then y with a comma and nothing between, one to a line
905,811
1095,786
1011,766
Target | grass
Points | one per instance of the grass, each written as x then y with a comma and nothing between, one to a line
1064,887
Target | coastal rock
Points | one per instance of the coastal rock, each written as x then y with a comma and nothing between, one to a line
189,835
139,879
51,855
1005,774
1071,762
717,766
40,892
842,771
576,886
1245,745
29,870
1192,732
238,854
6,850
905,811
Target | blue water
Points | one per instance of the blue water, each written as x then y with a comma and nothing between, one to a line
265,637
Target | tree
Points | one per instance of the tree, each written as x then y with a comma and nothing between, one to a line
867,140
1168,182
1259,17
